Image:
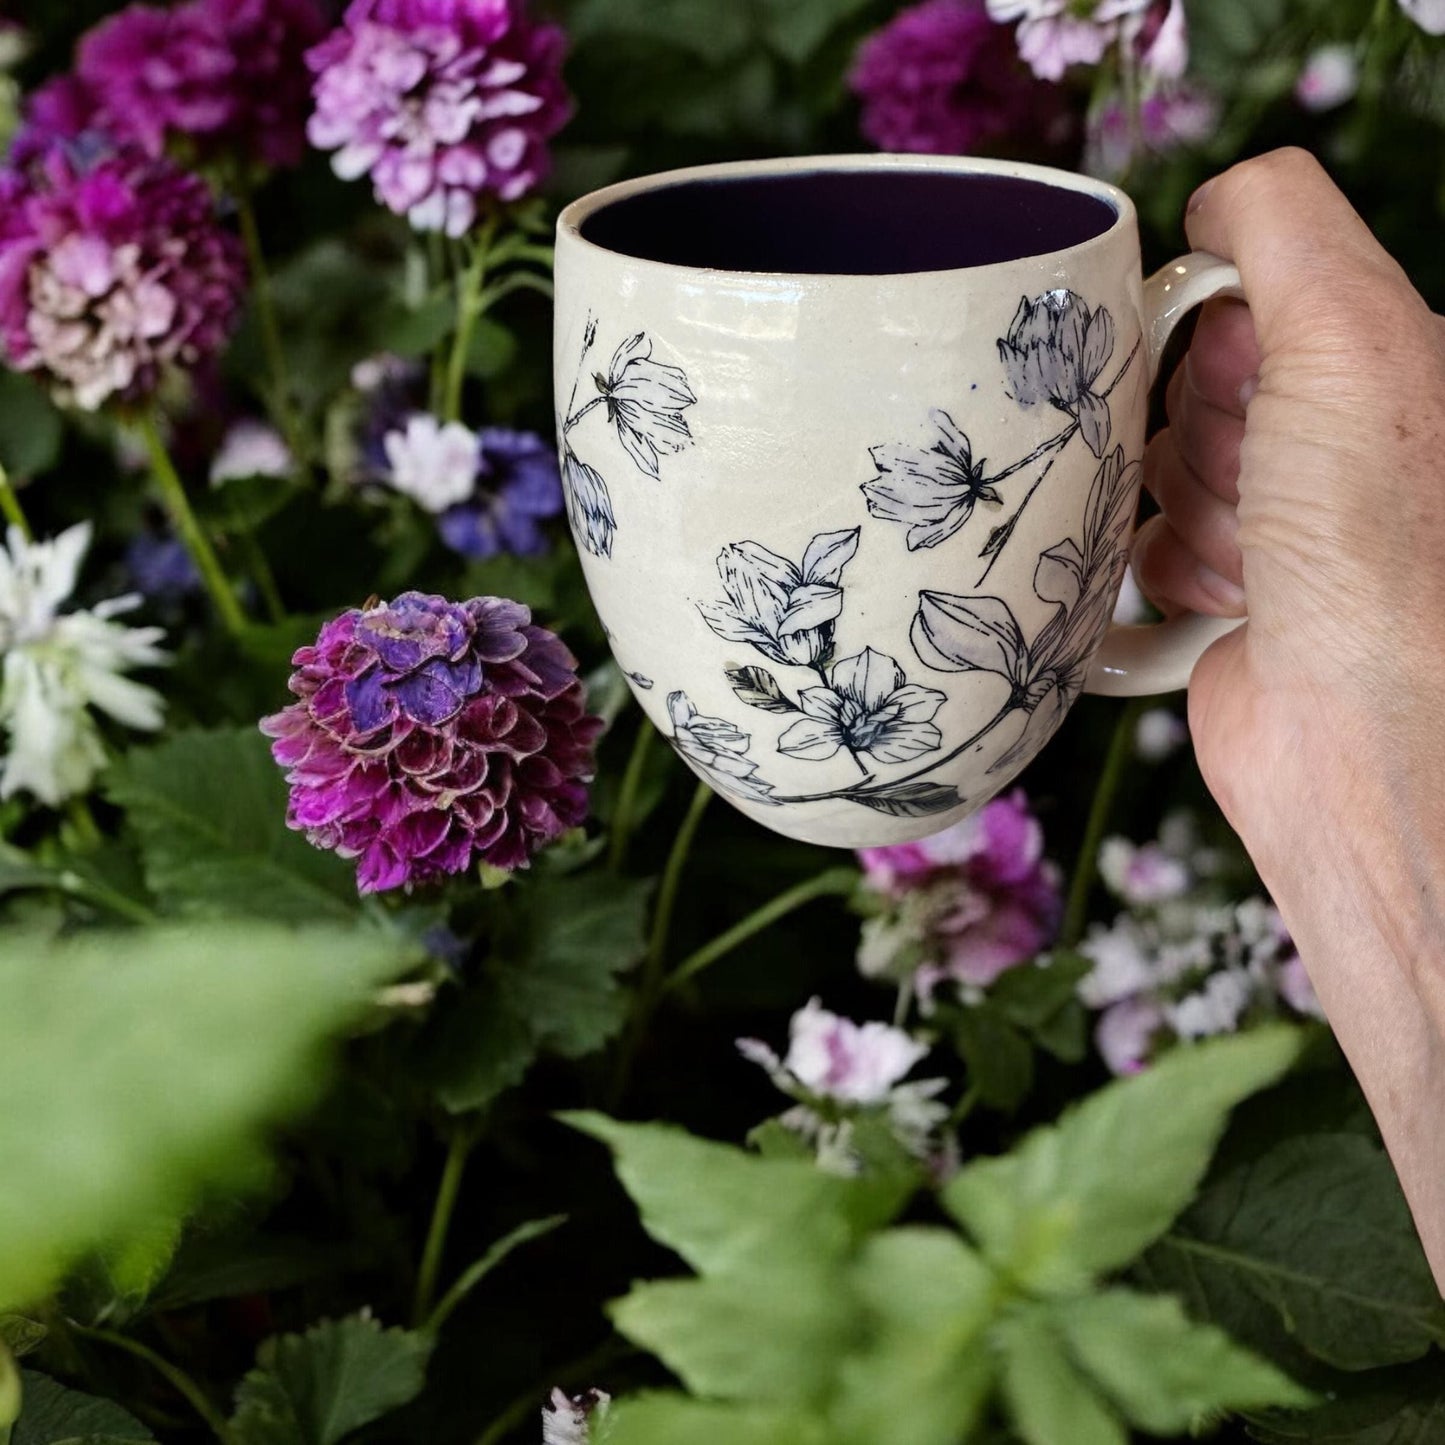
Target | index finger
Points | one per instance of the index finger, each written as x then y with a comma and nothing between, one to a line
1305,256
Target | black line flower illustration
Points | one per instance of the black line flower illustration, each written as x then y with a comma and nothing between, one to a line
980,634
718,748
786,611
1055,352
645,401
589,505
931,490
866,707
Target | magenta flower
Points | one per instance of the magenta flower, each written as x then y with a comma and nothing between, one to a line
942,78
430,735
967,904
218,76
440,102
111,271
60,110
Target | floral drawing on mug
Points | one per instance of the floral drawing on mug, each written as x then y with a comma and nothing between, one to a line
718,748
1056,354
644,400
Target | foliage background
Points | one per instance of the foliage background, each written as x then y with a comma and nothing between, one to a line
337,1227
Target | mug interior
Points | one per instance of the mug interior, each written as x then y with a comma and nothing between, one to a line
855,222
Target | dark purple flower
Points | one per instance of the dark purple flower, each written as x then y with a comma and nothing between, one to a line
160,567
518,486
440,102
62,109
943,78
430,735
112,269
220,76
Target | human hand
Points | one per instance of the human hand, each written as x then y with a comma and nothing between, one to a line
1302,482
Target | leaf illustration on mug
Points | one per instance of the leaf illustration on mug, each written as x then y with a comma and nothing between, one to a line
758,688
645,400
1055,352
981,634
867,707
718,748
908,800
931,490
785,610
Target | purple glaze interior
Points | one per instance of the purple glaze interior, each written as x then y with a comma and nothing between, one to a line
849,223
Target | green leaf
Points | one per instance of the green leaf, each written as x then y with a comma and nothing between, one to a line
20,1335
667,1419
999,1059
492,349
137,1068
723,1209
19,872
759,1334
135,1265
30,427
1400,1406
479,1269
1032,995
316,1388
925,1374
797,28
1064,1207
552,989
53,1415
1165,1372
1050,1401
210,811
1316,1236
416,330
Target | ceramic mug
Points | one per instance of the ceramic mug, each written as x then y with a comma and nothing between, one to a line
851,449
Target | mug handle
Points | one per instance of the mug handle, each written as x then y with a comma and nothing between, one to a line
1159,657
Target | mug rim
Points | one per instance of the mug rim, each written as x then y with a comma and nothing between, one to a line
576,214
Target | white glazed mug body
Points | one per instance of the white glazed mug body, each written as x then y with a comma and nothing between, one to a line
856,539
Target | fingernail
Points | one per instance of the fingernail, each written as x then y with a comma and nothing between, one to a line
1248,391
1199,198
1225,595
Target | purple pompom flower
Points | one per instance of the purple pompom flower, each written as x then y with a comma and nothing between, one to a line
440,102
220,76
112,269
942,78
518,487
430,735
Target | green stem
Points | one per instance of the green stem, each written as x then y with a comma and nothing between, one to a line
463,1140
184,520
965,1106
173,1374
10,507
469,310
83,821
90,890
836,882
1076,914
471,1277
627,797
271,340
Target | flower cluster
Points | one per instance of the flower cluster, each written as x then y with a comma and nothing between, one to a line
1181,964
112,270
942,78
568,1419
440,102
489,490
838,1070
963,906
211,79
430,734
58,667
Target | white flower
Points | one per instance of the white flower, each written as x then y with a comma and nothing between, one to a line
1141,876
1168,54
842,1060
1429,15
251,448
1051,38
56,668
1159,733
433,464
566,1420
1125,1032
1122,964
1215,1009
1330,78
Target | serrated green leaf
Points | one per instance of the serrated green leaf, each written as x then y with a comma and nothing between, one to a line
316,1388
1400,1406
209,808
53,1415
999,1060
1316,1235
666,1419
1164,1371
756,1335
723,1209
138,1067
135,1265
1049,1401
925,1373
1067,1206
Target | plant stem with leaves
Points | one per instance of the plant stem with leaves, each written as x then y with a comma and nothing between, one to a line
459,1148
470,306
627,795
